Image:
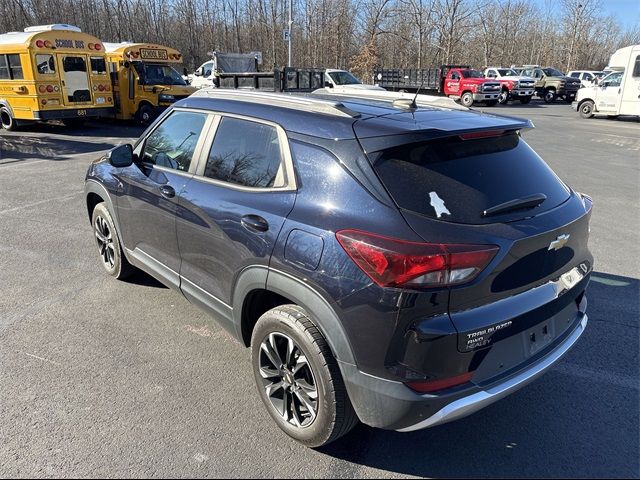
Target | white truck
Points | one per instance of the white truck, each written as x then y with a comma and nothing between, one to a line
341,81
512,85
616,94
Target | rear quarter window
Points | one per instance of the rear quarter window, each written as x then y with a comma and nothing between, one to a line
468,177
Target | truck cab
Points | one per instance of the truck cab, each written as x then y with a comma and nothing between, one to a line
470,86
513,86
617,93
342,81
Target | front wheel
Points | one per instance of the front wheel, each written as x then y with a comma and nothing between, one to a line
145,115
549,96
586,109
108,242
504,97
298,378
467,99
525,100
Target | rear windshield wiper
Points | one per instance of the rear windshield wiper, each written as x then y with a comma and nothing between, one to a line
516,204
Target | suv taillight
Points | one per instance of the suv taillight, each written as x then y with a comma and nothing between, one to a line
396,263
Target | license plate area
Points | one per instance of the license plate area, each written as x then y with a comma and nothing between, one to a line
538,337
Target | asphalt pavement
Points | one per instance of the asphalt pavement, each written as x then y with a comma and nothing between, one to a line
101,378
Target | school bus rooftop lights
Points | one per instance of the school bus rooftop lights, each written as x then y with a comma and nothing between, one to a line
95,46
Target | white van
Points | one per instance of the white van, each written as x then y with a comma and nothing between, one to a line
616,94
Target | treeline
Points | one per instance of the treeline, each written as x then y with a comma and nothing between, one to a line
354,34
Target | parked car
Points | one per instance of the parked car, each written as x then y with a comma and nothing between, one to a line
551,83
398,265
617,93
588,78
514,86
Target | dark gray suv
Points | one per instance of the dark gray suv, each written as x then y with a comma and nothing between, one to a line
396,264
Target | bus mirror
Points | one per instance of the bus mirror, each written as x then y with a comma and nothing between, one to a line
126,64
121,156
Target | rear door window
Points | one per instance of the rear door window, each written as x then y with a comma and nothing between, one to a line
457,180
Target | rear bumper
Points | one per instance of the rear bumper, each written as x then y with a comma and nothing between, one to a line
474,402
73,113
392,405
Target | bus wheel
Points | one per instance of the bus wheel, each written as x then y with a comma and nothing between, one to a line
7,121
145,115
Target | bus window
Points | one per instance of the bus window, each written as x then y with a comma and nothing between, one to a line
74,64
98,66
15,66
4,68
46,65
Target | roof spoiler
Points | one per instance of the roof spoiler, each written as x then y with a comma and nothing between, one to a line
493,127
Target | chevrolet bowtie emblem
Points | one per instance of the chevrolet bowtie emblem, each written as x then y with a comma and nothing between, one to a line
559,242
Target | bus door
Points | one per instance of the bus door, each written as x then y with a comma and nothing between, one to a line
75,78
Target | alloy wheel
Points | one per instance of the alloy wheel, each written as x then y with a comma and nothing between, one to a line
105,242
288,380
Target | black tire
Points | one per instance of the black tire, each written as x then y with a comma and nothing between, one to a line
108,242
334,414
466,99
503,98
586,109
549,96
525,100
491,103
6,120
146,115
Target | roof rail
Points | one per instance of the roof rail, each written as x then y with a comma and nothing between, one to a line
283,100
397,99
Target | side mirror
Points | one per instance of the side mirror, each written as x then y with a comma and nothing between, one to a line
604,84
328,84
121,156
198,72
126,64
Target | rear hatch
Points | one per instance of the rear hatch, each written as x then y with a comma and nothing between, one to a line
471,179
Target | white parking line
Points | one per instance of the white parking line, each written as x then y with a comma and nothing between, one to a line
29,205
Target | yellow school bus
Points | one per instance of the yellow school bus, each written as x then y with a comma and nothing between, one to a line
52,72
144,79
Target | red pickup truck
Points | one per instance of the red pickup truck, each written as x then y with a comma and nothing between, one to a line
460,82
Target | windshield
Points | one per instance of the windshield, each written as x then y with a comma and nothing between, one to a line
472,74
552,72
507,72
344,78
158,74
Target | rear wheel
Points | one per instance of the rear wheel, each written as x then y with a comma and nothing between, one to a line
108,242
6,119
525,100
467,99
549,96
586,109
298,378
504,97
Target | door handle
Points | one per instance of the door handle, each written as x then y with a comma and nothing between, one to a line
255,222
167,191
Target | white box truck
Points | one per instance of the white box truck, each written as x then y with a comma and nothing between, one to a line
616,94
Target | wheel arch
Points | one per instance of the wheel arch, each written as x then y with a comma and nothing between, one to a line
267,288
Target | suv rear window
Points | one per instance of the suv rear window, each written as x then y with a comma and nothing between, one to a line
468,176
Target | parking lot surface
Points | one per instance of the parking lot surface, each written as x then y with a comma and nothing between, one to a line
106,378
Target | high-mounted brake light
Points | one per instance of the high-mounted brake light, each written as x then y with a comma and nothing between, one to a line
390,262
485,134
